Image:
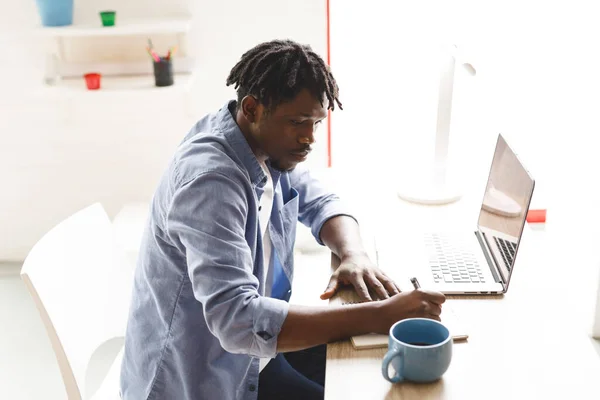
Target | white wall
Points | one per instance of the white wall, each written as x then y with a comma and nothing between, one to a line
57,156
537,82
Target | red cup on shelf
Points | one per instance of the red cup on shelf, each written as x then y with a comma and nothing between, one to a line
92,81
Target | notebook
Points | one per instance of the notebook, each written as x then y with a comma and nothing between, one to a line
449,319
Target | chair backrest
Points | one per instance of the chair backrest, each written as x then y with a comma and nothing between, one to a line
81,287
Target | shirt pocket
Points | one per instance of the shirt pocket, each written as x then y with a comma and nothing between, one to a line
289,218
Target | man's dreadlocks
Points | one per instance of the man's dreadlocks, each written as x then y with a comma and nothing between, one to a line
275,72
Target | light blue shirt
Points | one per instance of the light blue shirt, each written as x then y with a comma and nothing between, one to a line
199,320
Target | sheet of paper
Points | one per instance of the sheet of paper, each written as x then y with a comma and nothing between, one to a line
449,319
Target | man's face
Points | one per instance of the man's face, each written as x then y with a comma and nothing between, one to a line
286,133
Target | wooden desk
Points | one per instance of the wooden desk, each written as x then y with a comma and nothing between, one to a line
532,343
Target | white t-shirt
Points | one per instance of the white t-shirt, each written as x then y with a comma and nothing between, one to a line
264,214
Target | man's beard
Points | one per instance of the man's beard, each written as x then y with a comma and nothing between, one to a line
275,165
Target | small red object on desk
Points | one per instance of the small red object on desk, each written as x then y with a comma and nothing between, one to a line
536,216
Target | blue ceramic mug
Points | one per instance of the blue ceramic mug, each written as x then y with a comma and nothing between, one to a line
419,350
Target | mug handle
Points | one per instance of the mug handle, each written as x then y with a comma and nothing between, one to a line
386,364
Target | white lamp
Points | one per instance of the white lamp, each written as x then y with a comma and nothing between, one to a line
434,186
596,325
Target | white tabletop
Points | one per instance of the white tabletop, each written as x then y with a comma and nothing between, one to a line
533,342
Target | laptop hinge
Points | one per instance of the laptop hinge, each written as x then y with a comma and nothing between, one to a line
489,257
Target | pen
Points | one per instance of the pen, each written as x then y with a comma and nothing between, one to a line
153,54
415,282
376,252
172,51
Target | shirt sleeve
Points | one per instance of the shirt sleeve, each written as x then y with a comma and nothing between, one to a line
207,221
316,204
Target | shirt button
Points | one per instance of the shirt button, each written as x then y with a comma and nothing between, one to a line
265,335
259,208
252,387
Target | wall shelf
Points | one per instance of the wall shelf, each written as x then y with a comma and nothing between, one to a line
64,72
118,54
122,28
110,85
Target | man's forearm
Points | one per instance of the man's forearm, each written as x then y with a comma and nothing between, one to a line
306,327
342,235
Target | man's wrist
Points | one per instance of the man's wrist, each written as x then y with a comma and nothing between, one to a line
377,317
352,252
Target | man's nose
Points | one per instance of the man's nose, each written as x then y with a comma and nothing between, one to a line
307,136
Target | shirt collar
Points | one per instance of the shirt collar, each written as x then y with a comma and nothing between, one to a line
237,140
233,134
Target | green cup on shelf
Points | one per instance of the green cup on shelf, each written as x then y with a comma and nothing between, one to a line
108,18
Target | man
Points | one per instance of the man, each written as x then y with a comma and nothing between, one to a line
214,274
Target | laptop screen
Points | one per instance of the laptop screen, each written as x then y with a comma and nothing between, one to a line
505,204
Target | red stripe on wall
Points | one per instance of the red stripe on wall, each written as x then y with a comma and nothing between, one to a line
328,111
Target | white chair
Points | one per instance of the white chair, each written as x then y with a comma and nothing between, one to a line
81,284
129,225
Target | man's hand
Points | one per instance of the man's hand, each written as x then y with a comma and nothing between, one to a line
417,303
359,271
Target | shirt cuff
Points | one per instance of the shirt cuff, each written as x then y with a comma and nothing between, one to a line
269,316
330,210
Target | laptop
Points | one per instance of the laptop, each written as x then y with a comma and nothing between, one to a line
481,262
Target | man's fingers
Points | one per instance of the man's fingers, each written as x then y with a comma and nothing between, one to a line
389,285
397,287
361,288
434,297
331,288
373,281
435,309
436,317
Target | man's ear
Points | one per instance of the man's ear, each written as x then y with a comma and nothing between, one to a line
250,108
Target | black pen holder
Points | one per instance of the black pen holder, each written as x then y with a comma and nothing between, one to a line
163,72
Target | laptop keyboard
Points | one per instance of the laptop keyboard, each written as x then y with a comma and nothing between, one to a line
508,250
452,260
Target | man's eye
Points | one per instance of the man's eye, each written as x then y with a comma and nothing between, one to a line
295,122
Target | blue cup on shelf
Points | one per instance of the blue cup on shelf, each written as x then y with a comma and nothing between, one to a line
55,12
